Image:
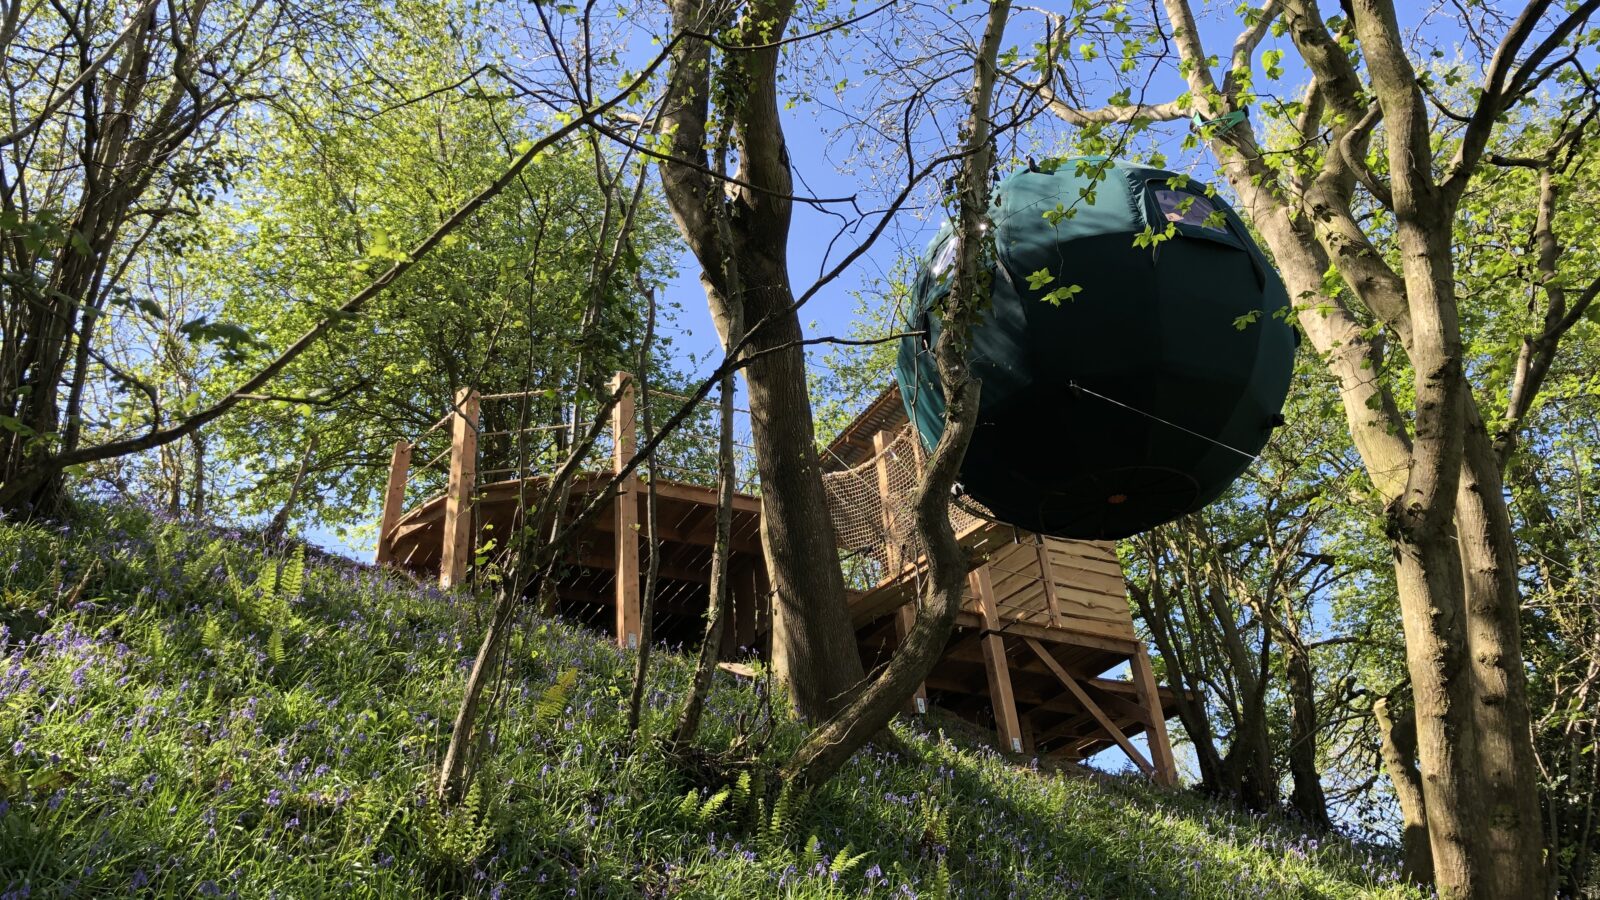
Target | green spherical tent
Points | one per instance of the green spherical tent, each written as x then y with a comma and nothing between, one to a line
1141,396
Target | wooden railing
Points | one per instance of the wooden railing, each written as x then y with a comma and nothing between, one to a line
1039,594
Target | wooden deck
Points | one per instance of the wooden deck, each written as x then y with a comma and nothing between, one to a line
1044,622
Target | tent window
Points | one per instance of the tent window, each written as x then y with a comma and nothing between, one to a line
1190,209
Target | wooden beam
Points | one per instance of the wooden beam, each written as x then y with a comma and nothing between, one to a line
995,663
456,548
668,533
1052,606
1144,679
1093,708
1067,727
394,500
880,460
1124,647
675,490
625,515
604,559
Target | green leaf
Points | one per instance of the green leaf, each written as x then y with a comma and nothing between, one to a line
1055,297
150,308
1039,279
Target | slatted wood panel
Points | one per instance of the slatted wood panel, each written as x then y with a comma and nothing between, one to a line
1085,576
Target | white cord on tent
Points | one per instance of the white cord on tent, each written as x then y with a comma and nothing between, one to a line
1155,418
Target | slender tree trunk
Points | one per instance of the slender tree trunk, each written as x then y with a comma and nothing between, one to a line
717,601
813,644
1157,612
1307,796
197,483
279,525
831,744
647,606
1249,758
1398,733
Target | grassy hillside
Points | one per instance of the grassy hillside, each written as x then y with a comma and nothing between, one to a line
183,716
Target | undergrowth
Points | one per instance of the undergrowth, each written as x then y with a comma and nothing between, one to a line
183,715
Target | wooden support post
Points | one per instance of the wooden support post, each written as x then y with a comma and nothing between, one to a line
457,548
763,610
904,617
394,500
905,614
1093,709
1047,571
886,506
744,608
626,506
995,662
729,651
1028,745
1144,682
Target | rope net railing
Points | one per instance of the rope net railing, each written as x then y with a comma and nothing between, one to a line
874,522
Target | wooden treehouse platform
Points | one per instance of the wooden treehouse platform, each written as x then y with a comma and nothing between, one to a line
1045,620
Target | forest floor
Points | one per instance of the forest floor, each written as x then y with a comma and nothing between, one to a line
184,715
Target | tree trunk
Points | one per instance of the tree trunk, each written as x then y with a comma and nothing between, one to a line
1428,578
1248,763
1157,612
1307,796
831,744
813,645
197,482
717,599
1506,758
1398,732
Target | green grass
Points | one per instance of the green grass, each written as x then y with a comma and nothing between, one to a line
201,719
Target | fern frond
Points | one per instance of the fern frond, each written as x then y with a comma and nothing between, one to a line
211,635
461,834
689,805
292,582
741,790
275,647
779,830
713,803
812,857
940,889
236,585
844,863
553,702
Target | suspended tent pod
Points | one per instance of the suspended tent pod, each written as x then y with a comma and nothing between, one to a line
1144,394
